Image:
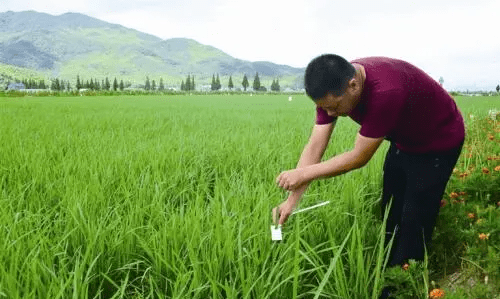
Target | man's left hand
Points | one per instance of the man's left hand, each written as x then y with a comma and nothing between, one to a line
291,179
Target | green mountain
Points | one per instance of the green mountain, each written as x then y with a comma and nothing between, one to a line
74,44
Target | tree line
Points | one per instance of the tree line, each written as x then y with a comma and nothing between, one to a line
105,84
216,84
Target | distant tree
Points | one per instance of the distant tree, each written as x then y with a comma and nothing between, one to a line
68,87
245,82
153,85
217,82
213,86
147,86
91,85
183,86
122,86
498,88
275,86
97,85
441,80
188,83
78,83
230,85
192,83
162,86
256,82
107,84
115,84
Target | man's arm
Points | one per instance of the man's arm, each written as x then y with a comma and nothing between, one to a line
312,153
363,151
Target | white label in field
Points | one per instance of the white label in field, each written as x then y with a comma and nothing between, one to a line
276,233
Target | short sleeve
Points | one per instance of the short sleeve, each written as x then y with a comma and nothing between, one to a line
322,118
383,114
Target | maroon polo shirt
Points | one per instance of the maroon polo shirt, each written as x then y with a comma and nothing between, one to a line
406,106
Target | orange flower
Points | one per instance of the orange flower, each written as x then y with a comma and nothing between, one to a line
443,203
486,170
453,195
497,168
484,236
463,175
491,137
405,266
471,215
462,193
436,293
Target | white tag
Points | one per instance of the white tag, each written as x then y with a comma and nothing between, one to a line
276,233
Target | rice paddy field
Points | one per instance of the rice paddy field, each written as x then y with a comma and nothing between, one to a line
171,197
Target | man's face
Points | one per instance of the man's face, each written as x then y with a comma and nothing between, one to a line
336,105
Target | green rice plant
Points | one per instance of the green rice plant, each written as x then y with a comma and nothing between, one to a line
171,197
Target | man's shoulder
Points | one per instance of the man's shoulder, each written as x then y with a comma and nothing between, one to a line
382,63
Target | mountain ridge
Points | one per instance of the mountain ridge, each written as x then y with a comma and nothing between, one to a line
73,43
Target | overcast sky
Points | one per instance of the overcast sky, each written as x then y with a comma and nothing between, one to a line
456,39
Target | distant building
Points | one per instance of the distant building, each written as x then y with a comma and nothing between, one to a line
16,86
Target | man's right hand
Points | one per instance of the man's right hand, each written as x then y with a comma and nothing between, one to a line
283,211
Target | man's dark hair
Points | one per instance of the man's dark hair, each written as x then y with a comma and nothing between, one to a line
327,73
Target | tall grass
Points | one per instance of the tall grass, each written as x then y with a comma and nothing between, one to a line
171,197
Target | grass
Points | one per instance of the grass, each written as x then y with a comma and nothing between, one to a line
171,197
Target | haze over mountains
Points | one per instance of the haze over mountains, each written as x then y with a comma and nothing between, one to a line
71,44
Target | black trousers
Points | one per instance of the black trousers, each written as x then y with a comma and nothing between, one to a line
415,183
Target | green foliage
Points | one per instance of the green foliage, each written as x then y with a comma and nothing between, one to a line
107,84
162,86
215,83
256,82
410,283
129,211
245,82
230,84
189,84
275,86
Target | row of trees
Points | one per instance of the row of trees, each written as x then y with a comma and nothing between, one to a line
189,84
216,85
94,84
151,85
60,85
105,84
34,84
